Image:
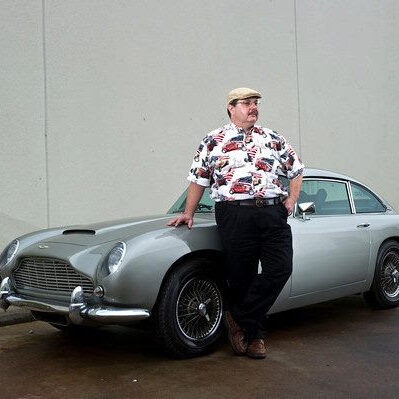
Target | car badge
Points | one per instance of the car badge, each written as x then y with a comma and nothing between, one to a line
43,246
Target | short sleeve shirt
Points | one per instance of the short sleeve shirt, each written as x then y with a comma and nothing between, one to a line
241,165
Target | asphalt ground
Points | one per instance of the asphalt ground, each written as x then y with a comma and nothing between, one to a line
14,315
338,349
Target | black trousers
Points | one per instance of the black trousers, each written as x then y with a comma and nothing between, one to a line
250,234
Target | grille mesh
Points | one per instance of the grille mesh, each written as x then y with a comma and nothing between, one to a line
50,274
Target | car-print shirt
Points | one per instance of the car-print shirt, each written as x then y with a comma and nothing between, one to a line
238,165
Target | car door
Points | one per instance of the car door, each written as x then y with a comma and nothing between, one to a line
331,246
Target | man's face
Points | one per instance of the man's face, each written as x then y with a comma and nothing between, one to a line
245,113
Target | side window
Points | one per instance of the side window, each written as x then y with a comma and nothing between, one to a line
329,197
365,201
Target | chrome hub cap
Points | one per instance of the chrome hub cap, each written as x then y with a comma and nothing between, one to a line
390,274
199,309
202,309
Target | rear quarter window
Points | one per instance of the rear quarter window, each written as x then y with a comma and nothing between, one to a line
365,201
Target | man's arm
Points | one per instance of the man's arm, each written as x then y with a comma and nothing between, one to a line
194,194
295,188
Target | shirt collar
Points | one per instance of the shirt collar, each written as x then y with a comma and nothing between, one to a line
240,129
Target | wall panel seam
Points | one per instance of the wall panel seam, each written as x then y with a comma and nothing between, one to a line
45,112
297,80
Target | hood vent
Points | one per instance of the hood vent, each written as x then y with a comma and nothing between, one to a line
77,231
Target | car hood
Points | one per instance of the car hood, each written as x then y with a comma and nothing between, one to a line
98,233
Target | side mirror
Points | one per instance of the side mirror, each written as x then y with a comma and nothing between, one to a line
306,208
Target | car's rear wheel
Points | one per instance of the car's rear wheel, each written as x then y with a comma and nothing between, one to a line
384,291
189,311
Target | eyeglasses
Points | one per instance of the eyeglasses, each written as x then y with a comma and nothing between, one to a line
248,103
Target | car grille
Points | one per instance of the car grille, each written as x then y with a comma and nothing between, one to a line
50,274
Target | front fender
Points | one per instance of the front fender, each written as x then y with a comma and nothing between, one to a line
148,259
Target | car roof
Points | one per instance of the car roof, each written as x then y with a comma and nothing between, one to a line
310,172
319,173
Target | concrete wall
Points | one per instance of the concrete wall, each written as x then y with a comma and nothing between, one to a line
104,102
348,69
23,199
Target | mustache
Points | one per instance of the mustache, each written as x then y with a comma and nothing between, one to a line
254,113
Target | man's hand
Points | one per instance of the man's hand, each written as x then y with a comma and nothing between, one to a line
181,219
194,194
295,186
289,204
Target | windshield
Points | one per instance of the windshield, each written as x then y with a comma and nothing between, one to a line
205,205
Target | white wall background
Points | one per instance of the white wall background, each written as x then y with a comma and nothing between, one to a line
103,103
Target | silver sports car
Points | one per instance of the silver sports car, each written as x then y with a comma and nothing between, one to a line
346,241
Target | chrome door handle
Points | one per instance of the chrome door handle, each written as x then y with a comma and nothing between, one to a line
363,225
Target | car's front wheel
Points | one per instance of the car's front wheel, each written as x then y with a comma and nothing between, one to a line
189,311
384,291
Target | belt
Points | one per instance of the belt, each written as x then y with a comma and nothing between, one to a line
259,202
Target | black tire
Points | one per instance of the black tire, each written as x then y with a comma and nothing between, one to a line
384,291
189,310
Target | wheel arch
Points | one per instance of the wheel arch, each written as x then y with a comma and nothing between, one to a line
374,259
393,238
205,254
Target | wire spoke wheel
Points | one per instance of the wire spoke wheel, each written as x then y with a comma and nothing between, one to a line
199,309
384,290
390,274
189,312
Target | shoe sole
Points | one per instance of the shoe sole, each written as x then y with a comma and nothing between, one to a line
255,356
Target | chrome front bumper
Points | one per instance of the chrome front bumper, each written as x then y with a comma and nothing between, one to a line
78,310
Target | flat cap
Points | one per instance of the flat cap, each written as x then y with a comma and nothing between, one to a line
241,93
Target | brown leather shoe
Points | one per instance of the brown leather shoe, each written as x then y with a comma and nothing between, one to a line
256,349
236,335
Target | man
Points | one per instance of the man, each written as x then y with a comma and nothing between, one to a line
241,162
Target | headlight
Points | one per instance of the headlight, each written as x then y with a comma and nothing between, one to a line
9,253
116,256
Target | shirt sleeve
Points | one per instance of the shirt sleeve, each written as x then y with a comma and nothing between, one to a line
290,163
200,172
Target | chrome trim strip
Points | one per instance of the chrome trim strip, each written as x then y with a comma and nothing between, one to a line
352,202
36,305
